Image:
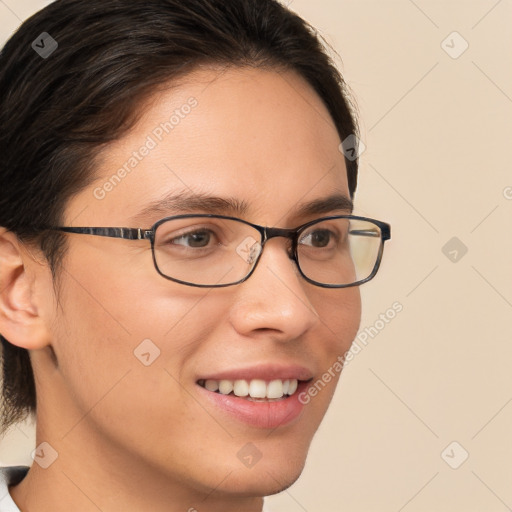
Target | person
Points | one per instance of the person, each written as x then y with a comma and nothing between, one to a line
179,259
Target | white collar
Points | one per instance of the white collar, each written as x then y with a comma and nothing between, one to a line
10,475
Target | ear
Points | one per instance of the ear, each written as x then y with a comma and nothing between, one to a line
20,320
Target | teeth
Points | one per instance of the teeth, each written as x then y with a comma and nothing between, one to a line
211,385
241,388
225,387
275,389
258,389
255,388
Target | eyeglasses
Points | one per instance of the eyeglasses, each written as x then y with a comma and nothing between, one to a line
212,251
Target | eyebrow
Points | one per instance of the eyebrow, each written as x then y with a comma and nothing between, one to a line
332,203
188,202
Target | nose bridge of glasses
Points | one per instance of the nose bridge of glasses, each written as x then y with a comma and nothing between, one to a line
289,234
279,232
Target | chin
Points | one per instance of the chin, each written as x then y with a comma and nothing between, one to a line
284,484
264,479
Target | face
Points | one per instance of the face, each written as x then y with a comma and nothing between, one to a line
135,350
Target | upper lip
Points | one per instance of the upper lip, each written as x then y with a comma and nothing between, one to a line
265,372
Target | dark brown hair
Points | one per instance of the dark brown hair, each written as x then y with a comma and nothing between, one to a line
57,112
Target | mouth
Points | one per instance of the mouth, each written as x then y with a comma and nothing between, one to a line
255,390
266,396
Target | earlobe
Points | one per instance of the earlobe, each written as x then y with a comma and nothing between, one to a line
20,320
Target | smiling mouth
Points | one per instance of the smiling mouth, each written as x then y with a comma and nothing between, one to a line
256,390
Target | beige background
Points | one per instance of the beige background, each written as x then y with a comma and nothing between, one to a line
437,131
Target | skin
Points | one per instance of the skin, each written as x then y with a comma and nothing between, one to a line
131,437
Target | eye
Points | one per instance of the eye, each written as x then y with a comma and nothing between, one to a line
197,239
319,238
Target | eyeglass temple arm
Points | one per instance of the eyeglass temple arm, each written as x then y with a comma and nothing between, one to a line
125,233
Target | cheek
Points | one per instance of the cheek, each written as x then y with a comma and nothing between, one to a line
340,317
123,357
129,304
340,313
111,323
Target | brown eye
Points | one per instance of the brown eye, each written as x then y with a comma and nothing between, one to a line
198,239
319,238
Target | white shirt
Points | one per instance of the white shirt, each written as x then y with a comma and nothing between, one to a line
12,475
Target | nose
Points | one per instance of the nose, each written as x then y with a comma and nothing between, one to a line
273,301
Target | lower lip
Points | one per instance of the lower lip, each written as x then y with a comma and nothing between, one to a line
267,415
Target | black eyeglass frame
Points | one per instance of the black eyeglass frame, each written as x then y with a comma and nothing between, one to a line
265,232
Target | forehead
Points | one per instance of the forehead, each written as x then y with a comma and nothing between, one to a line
261,136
